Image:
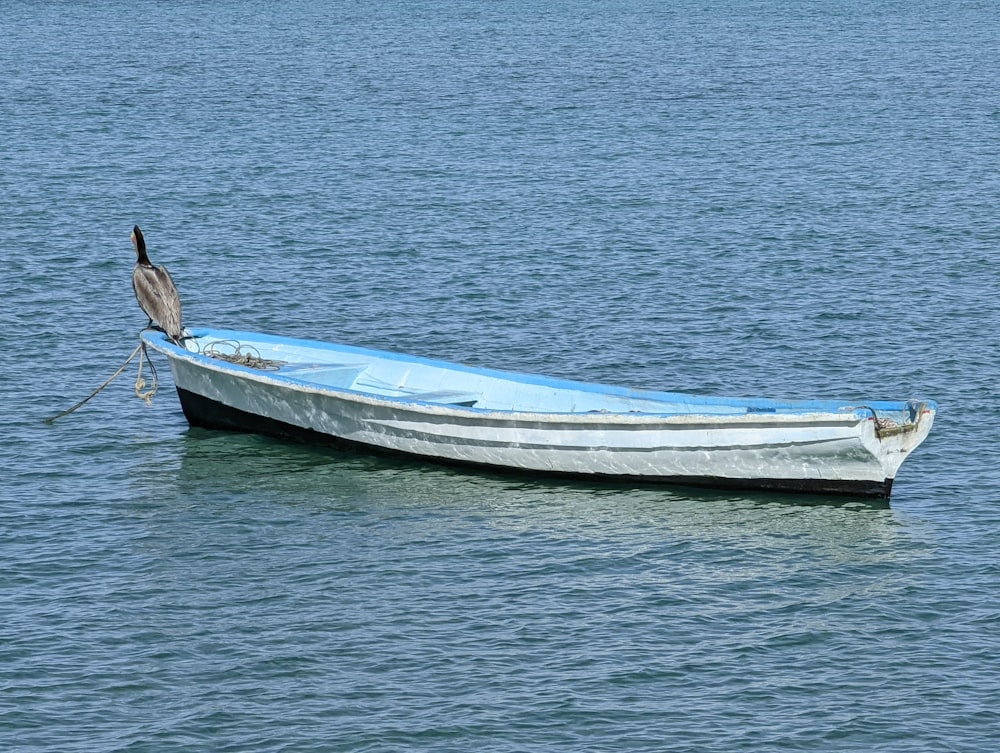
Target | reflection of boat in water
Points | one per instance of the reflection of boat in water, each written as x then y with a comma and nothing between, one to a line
446,412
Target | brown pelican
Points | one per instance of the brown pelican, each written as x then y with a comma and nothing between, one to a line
155,291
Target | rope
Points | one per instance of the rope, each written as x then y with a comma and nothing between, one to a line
240,357
881,424
139,383
146,397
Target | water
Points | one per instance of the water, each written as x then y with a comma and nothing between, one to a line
767,198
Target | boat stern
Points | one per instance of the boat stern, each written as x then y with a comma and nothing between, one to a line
894,435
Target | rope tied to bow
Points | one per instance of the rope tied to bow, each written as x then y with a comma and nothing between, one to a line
140,383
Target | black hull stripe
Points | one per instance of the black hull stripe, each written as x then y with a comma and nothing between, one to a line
492,443
211,414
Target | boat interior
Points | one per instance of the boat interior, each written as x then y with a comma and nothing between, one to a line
414,379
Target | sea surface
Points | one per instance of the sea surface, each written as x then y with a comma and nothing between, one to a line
761,198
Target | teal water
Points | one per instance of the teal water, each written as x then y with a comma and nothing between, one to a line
767,198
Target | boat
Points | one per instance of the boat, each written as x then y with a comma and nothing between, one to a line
388,402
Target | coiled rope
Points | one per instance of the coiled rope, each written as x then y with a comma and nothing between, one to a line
242,355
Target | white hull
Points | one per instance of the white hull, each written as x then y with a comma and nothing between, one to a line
804,450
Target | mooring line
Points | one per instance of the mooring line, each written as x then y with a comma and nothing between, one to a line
139,383
146,396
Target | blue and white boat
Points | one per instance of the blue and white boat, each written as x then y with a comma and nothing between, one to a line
445,412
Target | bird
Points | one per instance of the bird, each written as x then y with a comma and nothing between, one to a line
155,291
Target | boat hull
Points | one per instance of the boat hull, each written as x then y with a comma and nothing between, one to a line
319,395
206,413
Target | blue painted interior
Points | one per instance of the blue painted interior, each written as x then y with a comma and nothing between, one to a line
412,378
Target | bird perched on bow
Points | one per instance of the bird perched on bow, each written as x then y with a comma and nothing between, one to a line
155,291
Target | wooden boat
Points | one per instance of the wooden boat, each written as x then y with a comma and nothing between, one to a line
445,412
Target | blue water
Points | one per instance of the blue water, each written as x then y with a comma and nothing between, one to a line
767,198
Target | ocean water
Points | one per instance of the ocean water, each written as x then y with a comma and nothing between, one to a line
764,198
